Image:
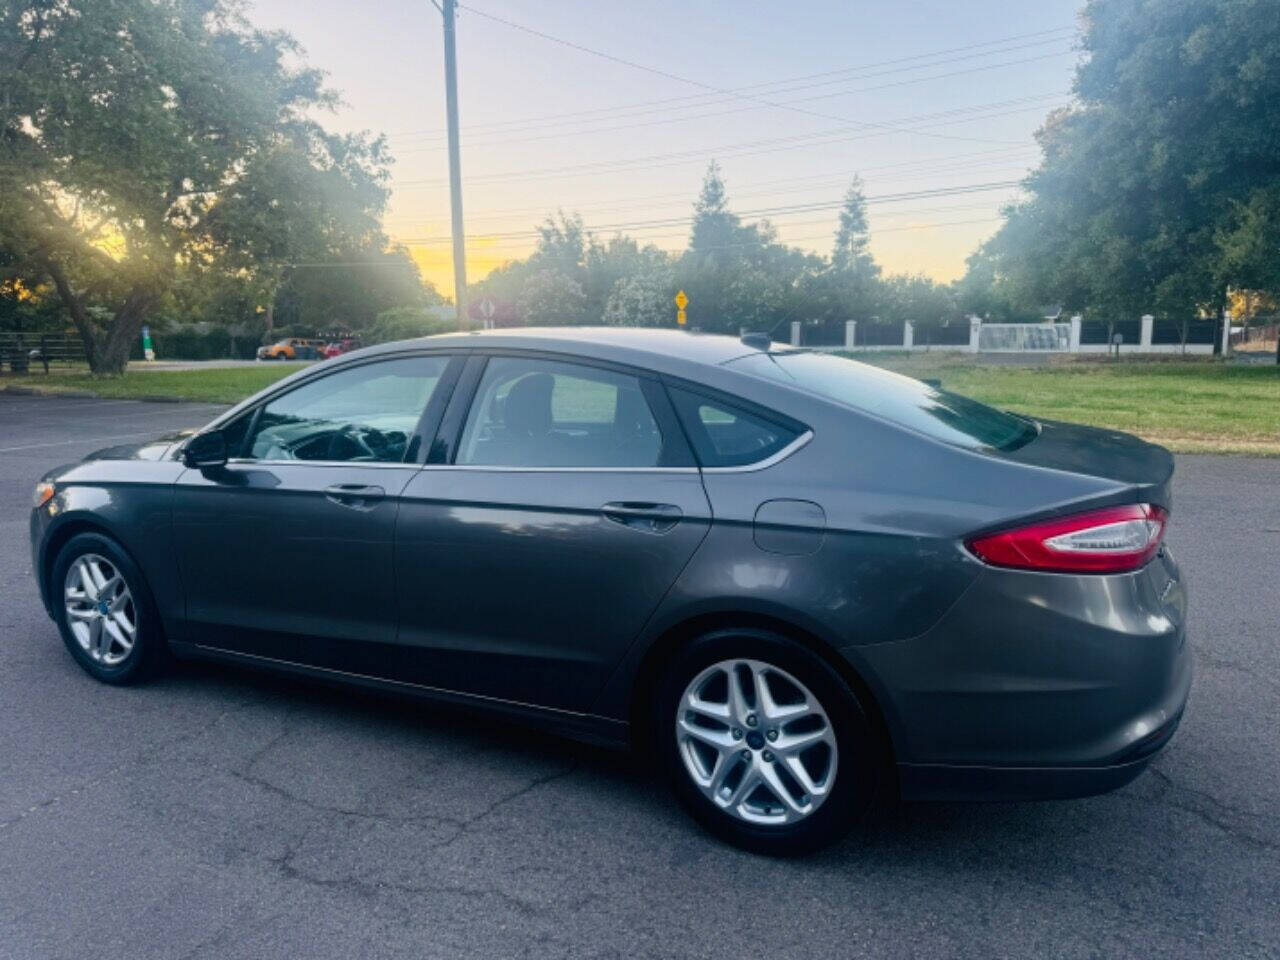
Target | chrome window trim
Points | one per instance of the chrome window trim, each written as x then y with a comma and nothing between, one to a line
380,464
764,464
767,462
490,468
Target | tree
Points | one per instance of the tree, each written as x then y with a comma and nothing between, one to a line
351,289
851,254
141,137
405,323
916,298
1158,190
848,287
642,300
985,291
549,297
738,275
716,235
621,258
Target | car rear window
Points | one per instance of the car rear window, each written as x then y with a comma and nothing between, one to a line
902,400
725,435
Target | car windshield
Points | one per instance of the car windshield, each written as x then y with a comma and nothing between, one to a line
902,400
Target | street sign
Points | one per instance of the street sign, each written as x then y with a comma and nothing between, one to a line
681,317
681,301
487,308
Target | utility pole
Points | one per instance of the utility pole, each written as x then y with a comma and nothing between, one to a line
455,163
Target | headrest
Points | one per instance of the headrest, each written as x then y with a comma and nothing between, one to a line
527,410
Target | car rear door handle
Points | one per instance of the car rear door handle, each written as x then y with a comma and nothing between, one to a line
649,517
358,496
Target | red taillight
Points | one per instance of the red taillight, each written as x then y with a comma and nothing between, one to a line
1111,540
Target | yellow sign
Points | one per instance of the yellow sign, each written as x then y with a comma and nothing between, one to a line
680,317
681,301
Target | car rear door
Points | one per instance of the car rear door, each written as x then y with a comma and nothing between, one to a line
561,505
287,551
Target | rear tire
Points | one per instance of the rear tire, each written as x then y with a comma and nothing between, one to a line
105,612
735,770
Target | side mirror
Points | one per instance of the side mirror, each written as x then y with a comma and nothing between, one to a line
206,451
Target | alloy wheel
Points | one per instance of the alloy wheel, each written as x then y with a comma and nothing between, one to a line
756,742
100,610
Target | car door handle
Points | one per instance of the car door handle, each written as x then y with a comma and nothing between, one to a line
649,517
358,496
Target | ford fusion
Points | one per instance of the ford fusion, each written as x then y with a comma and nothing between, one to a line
795,579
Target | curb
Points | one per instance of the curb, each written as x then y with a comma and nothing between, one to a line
20,391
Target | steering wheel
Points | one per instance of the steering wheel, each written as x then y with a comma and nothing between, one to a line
369,441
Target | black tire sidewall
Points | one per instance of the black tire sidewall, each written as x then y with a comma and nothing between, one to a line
148,643
859,765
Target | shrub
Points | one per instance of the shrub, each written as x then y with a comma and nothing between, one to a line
405,323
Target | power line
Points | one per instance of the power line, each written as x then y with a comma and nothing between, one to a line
710,87
662,121
704,100
952,163
745,148
667,102
790,242
684,199
760,212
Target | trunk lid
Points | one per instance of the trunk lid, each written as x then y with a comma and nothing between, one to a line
1096,452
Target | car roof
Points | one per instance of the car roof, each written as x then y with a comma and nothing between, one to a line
672,351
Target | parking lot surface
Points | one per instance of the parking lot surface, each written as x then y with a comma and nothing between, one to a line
220,814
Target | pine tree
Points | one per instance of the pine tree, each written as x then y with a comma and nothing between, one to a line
715,230
851,253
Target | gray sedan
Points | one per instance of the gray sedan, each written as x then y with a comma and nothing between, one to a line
793,579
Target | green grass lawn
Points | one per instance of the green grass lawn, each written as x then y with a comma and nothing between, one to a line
215,386
1187,405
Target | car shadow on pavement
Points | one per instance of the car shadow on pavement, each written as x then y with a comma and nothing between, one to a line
950,836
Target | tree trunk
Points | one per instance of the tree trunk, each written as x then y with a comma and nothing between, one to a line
79,316
106,350
113,350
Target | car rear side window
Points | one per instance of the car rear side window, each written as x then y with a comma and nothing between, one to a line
726,435
530,412
902,400
366,413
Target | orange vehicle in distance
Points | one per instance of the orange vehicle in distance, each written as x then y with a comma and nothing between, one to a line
292,348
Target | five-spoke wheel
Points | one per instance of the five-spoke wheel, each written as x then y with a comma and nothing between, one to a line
756,741
764,742
104,609
100,609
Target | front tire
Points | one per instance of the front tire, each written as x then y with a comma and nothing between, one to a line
764,743
104,610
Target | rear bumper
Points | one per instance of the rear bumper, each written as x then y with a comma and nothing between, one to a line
1037,685
947,782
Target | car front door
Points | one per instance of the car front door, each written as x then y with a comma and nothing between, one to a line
565,505
287,551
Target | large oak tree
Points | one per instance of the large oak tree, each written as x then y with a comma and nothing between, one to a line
141,137
1160,188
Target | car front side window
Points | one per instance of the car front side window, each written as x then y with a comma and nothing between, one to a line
542,413
363,414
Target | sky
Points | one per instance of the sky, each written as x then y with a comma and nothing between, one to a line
934,104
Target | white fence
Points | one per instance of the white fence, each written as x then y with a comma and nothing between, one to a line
1048,337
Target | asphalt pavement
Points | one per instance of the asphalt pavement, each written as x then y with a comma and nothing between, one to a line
216,813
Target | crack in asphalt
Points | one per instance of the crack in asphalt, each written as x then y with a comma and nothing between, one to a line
1231,830
288,868
1222,663
462,825
141,759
